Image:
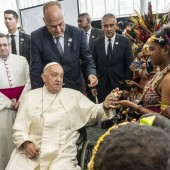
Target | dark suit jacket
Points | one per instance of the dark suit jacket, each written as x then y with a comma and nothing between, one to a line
24,45
43,51
95,33
116,69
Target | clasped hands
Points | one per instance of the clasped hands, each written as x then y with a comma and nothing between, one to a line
112,98
30,149
14,104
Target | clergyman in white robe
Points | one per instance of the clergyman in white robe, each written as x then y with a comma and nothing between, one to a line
14,82
52,121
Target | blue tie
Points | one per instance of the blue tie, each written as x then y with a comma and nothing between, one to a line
59,47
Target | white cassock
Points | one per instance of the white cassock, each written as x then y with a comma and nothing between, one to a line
14,82
53,126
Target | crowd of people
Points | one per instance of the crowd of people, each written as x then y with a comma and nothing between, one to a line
53,79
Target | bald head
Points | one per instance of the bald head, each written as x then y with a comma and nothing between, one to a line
54,18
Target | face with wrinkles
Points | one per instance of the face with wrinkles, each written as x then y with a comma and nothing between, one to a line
53,78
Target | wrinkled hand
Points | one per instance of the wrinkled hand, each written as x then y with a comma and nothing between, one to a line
112,98
30,149
93,80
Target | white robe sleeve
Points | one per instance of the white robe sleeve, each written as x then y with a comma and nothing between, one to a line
22,123
81,111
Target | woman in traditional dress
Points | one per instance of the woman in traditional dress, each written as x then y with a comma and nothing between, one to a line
159,86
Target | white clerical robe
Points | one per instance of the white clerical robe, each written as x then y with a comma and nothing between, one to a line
53,126
14,72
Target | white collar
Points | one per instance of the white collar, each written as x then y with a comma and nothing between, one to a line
89,31
15,33
112,38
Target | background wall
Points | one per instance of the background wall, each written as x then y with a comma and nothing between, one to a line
32,18
32,15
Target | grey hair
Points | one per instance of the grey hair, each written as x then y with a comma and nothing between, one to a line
52,3
108,15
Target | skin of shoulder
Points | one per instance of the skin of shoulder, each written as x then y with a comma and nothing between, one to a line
164,89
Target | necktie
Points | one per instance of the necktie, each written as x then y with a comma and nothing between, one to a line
59,47
87,37
13,45
109,48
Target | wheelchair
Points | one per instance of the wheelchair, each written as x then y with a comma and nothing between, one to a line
84,149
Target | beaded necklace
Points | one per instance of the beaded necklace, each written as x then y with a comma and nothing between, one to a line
157,78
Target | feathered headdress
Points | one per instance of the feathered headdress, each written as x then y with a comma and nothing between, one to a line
147,24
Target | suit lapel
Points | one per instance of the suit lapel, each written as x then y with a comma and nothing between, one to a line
116,44
67,41
103,50
115,49
21,43
92,36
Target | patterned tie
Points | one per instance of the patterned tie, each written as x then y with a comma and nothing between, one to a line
59,47
109,48
13,44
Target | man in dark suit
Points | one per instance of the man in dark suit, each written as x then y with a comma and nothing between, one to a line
62,43
21,40
84,22
112,55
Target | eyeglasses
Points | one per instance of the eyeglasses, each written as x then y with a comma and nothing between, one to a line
109,25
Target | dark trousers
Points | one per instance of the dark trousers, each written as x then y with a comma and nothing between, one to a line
105,91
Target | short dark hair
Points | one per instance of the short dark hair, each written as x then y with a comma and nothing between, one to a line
134,147
85,15
9,11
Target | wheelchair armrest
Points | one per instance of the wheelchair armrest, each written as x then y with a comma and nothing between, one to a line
82,136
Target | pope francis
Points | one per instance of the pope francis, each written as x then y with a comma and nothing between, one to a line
46,128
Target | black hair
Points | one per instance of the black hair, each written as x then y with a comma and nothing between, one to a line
134,147
163,33
85,15
9,11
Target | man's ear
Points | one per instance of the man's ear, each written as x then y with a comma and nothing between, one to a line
43,77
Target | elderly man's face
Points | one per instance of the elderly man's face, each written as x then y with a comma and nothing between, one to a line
54,21
4,47
53,78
